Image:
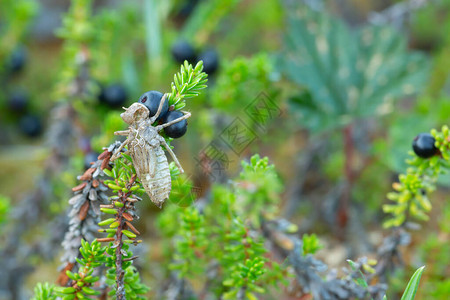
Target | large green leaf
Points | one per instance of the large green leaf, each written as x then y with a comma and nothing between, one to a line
349,73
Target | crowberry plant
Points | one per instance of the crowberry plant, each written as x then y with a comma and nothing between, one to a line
223,235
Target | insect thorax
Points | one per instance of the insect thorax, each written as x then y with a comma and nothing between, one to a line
144,134
150,162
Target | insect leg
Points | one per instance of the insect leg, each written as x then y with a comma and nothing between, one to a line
118,151
163,141
186,115
158,112
122,132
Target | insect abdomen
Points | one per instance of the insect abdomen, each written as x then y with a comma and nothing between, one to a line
158,187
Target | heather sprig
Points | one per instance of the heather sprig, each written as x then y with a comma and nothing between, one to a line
134,288
82,282
121,232
242,281
243,263
411,192
85,209
311,244
190,248
44,291
216,239
258,189
240,245
186,84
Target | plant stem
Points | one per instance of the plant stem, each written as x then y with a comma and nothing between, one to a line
120,273
303,164
343,213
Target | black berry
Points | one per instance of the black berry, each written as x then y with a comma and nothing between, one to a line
151,100
17,60
423,145
210,59
30,125
90,157
187,7
178,129
182,50
18,101
114,95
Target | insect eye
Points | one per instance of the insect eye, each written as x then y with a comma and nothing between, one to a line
143,99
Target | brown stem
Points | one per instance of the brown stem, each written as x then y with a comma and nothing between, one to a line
120,273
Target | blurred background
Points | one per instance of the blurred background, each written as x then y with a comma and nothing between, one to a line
333,92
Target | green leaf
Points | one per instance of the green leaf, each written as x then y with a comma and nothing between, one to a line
110,211
349,74
186,84
413,284
108,172
107,222
129,234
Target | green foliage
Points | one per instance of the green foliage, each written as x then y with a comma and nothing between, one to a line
190,248
122,172
240,245
5,206
243,262
125,184
243,279
113,51
410,195
244,88
183,192
134,288
76,24
311,244
187,84
92,256
240,82
206,18
153,15
348,74
44,291
258,189
219,236
16,16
